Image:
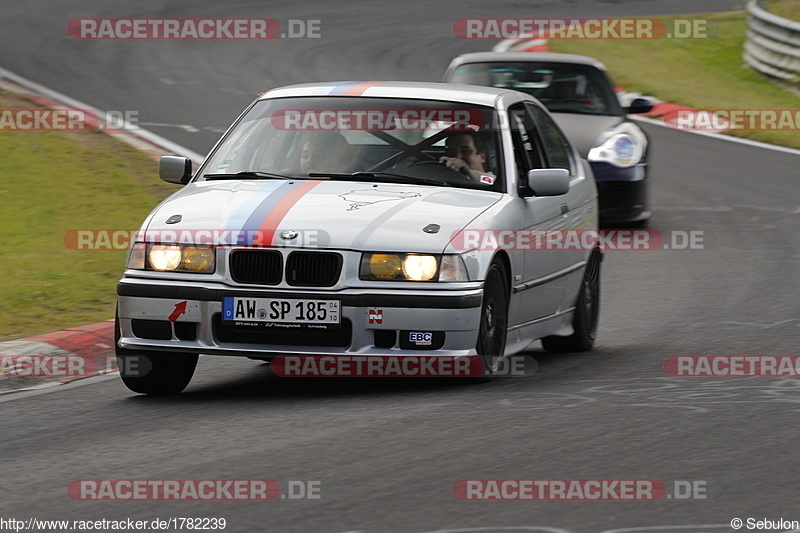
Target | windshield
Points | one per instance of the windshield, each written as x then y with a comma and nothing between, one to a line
561,87
370,139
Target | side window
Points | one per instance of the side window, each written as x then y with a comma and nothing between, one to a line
558,148
527,151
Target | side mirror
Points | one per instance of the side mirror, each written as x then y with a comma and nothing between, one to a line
174,169
639,105
549,181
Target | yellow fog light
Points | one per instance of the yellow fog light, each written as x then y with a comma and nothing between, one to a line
420,267
198,259
165,256
385,266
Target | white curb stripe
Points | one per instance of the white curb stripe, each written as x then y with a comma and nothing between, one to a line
142,134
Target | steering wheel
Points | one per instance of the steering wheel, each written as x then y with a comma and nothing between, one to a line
443,172
395,159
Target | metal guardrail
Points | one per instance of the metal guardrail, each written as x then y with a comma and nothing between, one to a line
773,44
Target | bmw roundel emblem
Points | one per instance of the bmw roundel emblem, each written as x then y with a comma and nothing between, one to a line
289,234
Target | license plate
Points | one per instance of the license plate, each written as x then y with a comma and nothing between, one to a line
280,312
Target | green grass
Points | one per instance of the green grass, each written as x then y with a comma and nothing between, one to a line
788,9
53,182
699,73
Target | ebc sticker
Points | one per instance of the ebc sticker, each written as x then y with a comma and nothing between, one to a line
419,338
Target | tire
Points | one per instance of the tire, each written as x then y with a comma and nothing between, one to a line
587,313
494,318
155,373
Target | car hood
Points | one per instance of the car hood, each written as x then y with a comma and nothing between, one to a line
583,130
316,213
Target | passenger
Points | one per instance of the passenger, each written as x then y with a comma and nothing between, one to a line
325,152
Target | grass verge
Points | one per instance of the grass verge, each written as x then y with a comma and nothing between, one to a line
698,73
54,181
788,9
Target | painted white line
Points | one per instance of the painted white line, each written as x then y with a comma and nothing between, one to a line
749,142
501,528
28,393
659,528
764,326
143,134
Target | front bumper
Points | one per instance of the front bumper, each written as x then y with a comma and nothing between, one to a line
622,193
186,317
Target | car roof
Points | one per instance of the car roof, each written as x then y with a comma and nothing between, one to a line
524,57
449,92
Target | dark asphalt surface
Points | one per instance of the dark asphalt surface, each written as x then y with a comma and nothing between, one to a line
387,453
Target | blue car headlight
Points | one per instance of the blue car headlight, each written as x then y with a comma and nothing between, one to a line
620,150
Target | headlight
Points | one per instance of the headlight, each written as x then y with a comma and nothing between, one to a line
420,267
172,258
412,267
165,256
620,150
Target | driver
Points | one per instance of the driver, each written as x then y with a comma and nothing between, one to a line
466,153
572,90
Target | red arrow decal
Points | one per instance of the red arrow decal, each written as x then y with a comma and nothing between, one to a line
179,310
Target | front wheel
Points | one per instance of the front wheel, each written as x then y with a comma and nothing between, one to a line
587,313
494,318
156,373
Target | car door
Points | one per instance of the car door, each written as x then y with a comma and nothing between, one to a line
540,287
580,209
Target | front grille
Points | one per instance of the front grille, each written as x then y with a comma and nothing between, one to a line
256,266
332,338
313,269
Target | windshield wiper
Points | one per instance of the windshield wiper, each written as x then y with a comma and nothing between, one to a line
249,174
385,177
